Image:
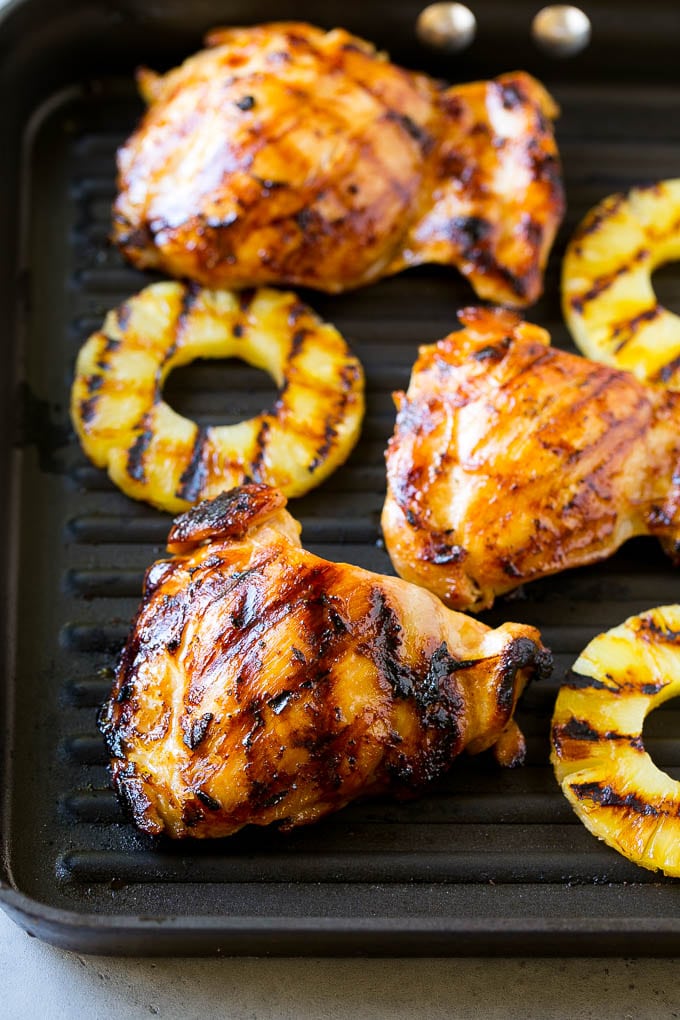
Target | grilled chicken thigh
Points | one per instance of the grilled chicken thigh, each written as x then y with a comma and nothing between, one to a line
286,154
511,460
262,684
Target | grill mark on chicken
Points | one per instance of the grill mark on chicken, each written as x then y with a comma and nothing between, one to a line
373,236
227,516
511,95
440,550
423,138
301,742
468,232
327,636
430,685
253,614
519,654
195,730
563,459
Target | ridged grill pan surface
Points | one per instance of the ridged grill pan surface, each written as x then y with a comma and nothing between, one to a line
487,860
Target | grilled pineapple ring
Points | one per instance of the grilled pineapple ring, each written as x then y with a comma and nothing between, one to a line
608,299
597,750
154,454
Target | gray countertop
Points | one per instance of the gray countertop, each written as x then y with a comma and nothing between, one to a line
42,983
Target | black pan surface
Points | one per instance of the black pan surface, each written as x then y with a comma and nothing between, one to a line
488,861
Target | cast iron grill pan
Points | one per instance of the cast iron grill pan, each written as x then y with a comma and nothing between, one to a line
487,860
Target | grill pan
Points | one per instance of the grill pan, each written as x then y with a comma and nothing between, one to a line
488,861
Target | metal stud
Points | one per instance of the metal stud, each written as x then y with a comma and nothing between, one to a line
448,27
561,30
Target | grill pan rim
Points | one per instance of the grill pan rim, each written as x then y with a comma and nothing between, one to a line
124,933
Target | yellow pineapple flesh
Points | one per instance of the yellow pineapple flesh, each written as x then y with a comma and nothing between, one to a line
597,751
155,454
608,299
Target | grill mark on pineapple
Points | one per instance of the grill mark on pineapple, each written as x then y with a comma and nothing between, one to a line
189,297
245,299
606,795
600,215
296,311
349,375
319,389
123,313
581,682
93,384
581,730
135,465
601,284
111,343
629,326
662,235
296,344
194,476
645,627
110,346
261,440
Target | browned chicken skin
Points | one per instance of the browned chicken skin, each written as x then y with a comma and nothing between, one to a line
261,683
511,460
285,154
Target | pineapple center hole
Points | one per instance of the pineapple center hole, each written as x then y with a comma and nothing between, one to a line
666,284
219,391
659,732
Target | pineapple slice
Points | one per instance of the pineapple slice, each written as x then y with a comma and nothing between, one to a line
153,453
608,300
597,751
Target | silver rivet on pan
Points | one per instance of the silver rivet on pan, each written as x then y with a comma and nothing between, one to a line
561,30
449,27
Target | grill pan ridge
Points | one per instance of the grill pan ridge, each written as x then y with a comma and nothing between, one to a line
487,861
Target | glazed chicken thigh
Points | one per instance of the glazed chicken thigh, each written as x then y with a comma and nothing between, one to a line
511,460
262,684
286,154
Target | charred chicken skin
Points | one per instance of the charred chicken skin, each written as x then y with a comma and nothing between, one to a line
285,154
262,684
511,460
